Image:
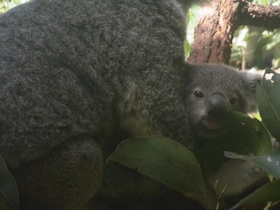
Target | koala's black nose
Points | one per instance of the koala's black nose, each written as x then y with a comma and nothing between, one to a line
217,107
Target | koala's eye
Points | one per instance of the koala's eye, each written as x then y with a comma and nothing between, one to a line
233,101
198,94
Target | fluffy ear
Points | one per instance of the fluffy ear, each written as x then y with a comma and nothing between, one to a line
187,72
251,78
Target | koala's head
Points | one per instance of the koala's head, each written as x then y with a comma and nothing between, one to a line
212,91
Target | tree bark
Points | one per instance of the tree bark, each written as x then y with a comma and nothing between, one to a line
267,17
218,23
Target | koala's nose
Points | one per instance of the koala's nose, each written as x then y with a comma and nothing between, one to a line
217,107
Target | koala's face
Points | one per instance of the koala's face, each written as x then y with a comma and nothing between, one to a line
212,92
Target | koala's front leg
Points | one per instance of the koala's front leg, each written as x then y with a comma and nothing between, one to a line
65,179
234,176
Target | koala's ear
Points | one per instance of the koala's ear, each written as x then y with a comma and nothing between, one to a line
251,78
187,70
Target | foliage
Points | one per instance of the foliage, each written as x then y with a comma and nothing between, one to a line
174,165
5,5
192,19
166,161
267,193
256,47
269,104
9,199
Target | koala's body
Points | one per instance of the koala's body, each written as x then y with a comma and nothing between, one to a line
76,78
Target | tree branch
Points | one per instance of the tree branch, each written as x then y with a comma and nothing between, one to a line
215,29
257,15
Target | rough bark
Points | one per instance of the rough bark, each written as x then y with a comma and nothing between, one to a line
267,17
216,27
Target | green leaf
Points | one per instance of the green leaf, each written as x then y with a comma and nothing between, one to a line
258,140
9,198
269,192
270,162
246,136
164,160
233,155
269,103
266,193
5,204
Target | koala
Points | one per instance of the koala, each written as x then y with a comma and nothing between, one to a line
213,91
210,93
78,77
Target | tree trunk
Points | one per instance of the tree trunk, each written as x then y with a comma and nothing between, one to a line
218,23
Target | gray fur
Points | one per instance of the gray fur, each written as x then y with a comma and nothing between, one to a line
235,89
234,176
227,84
76,78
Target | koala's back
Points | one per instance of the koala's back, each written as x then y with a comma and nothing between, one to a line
64,63
76,74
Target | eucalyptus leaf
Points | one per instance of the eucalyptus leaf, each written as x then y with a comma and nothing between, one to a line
266,193
9,198
164,160
5,204
233,155
246,136
270,162
258,139
269,103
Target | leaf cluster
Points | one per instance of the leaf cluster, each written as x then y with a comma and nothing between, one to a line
9,198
